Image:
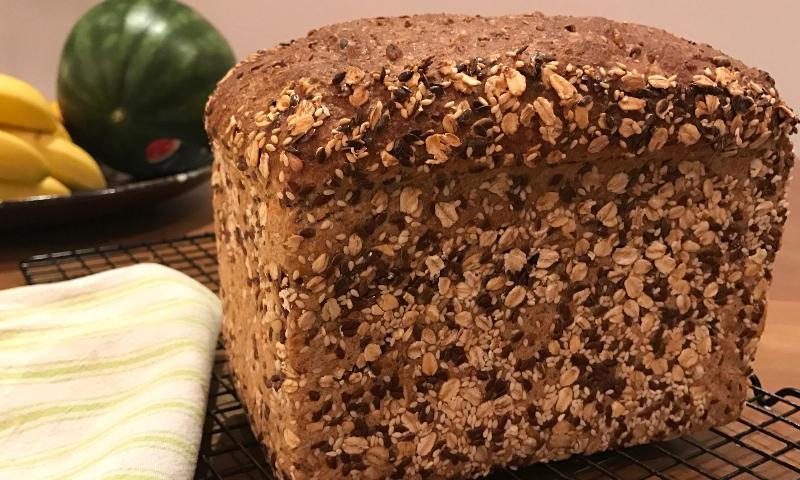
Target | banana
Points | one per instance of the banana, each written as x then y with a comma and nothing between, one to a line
62,132
71,164
18,191
20,161
56,109
21,105
66,161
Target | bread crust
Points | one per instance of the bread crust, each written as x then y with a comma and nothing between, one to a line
454,243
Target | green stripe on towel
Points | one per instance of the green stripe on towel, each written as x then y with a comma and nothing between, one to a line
70,370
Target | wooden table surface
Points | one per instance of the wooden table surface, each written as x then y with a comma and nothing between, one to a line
777,362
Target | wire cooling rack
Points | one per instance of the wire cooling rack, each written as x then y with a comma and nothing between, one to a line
764,444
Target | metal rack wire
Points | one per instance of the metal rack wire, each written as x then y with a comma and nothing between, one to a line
764,444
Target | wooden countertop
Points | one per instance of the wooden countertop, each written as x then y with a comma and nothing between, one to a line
777,363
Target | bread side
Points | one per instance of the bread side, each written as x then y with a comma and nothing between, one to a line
490,274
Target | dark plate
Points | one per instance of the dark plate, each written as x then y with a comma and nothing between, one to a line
121,194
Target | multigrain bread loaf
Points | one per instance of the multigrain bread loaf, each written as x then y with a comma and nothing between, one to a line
452,243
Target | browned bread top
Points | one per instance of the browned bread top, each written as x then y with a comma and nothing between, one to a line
424,90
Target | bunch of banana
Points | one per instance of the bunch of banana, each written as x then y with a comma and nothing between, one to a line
37,156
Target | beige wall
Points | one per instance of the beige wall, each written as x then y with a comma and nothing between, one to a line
761,32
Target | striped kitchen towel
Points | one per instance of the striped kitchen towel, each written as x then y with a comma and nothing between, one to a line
106,376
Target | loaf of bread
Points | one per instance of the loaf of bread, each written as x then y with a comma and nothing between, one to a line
453,243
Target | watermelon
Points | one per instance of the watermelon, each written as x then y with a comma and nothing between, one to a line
133,80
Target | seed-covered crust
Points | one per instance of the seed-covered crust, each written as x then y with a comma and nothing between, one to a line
450,243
